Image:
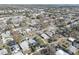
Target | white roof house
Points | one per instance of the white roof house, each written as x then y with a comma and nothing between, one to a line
45,36
18,53
3,52
8,33
61,52
72,49
4,35
16,48
32,41
28,30
7,39
71,39
24,45
49,33
33,22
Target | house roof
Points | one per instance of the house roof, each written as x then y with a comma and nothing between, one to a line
72,49
71,39
24,45
3,51
61,52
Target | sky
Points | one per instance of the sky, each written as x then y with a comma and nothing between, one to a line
39,1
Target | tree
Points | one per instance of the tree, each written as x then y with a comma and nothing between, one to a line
77,52
9,21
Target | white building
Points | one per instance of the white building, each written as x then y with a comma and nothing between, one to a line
72,49
5,37
28,30
24,45
32,41
61,52
49,33
16,48
18,53
71,39
3,52
8,33
45,36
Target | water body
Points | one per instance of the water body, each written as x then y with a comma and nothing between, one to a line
37,5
